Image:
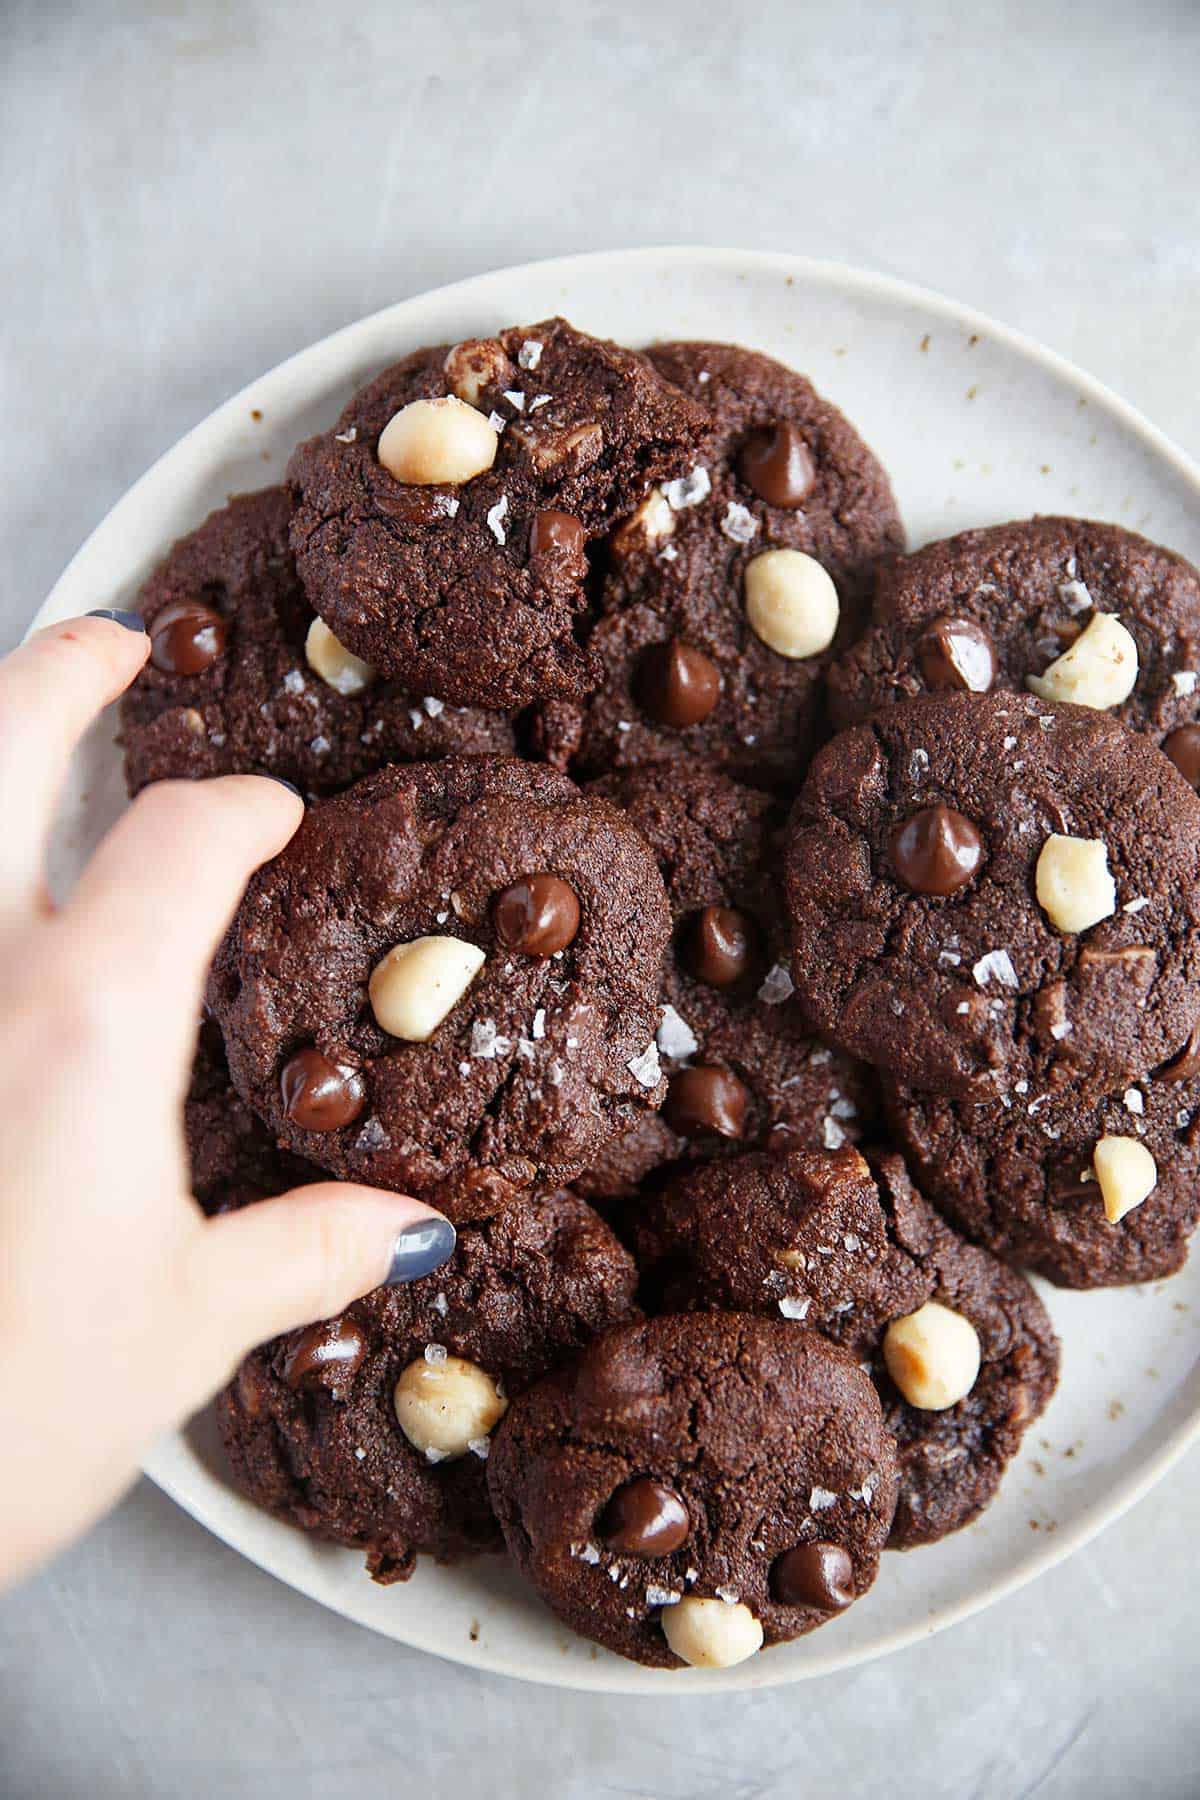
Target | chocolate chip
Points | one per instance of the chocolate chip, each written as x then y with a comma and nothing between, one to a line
187,638
957,653
677,685
1183,748
556,531
706,1099
936,851
320,1095
537,916
777,463
644,1518
819,1575
1186,1064
329,1351
719,946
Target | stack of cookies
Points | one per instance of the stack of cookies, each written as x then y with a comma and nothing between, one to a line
760,943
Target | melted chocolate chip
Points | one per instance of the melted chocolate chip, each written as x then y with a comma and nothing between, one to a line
1186,1064
819,1575
936,851
719,946
1183,748
328,1352
706,1099
559,531
320,1095
957,653
187,638
537,916
677,685
644,1518
778,465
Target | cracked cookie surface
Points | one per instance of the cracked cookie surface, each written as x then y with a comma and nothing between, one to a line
767,1439
962,983
449,587
537,1063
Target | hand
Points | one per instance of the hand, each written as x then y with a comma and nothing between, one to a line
121,1307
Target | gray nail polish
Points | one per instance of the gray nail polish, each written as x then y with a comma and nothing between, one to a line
419,1250
130,620
283,782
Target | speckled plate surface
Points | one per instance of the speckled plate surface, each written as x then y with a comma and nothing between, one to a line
976,425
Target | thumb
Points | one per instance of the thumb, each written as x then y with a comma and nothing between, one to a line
304,1256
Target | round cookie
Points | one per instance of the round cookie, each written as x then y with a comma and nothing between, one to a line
681,671
687,1459
473,589
932,850
1018,1174
817,1237
229,690
402,1004
310,1421
743,1068
991,608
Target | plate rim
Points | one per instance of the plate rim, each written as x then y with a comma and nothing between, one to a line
608,1676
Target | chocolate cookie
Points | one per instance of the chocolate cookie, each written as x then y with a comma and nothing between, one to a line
230,690
985,888
232,1156
373,1428
448,982
1019,1173
815,1237
992,609
742,1066
694,1487
447,544
688,663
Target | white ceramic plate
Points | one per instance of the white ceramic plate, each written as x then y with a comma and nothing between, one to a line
975,425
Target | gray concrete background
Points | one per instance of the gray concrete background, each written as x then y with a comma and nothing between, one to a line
189,192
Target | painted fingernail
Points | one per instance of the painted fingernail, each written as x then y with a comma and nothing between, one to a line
289,785
130,620
420,1249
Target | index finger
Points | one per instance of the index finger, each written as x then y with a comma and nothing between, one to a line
51,690
153,903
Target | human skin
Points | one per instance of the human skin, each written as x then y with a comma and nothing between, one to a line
122,1309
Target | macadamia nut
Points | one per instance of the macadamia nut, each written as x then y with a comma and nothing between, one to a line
338,667
1127,1174
711,1634
1074,886
1100,669
417,984
476,364
932,1355
652,523
791,603
430,441
446,1407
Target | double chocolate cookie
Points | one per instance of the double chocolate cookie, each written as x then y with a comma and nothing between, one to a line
242,681
232,1157
448,982
986,889
730,590
1090,1193
373,1428
1000,608
695,1487
743,1069
817,1238
441,529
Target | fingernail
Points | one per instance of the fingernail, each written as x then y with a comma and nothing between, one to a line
289,785
420,1249
130,620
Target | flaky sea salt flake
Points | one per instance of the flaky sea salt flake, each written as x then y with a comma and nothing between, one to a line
792,1307
777,987
821,1499
675,1036
996,965
646,1068
738,523
688,490
530,353
495,515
